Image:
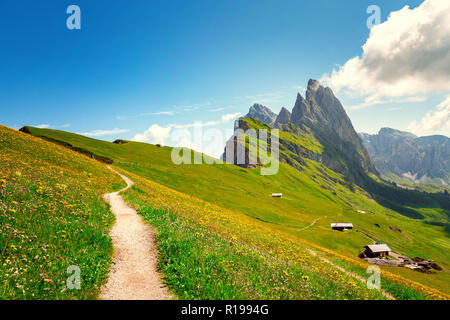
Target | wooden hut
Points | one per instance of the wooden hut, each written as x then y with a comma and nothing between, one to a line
342,226
277,195
377,251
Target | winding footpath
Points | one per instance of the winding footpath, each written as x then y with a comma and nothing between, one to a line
312,224
133,275
351,274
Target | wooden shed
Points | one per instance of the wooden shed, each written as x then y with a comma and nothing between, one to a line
342,226
277,195
377,250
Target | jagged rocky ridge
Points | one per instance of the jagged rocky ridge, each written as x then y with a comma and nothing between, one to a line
262,113
321,115
398,155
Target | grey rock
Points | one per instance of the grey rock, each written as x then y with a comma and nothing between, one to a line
322,114
284,117
404,155
262,113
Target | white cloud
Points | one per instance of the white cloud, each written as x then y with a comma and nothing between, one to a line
196,124
166,113
100,133
183,138
191,135
161,113
407,55
217,109
194,106
154,134
434,121
269,97
188,136
372,100
47,126
230,116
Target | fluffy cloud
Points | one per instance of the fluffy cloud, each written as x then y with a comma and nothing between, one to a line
228,117
154,134
47,126
167,113
371,101
434,121
269,97
161,113
191,135
198,124
407,55
101,133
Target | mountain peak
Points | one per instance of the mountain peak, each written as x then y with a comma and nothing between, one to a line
258,107
322,114
262,113
284,117
300,97
313,85
301,109
393,132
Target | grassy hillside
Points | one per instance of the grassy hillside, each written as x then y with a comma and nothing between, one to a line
312,199
51,217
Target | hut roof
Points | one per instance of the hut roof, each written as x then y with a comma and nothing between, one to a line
342,225
378,248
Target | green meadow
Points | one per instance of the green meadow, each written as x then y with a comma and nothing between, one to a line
53,220
313,198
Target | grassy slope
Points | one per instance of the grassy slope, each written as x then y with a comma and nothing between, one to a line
209,252
51,217
307,198
407,183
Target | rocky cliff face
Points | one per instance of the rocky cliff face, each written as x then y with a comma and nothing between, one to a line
402,154
284,117
322,115
261,113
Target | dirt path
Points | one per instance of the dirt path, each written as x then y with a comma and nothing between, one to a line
133,275
351,274
312,224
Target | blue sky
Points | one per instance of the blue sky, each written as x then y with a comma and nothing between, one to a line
142,63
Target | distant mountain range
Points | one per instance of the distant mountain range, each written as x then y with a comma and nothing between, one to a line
403,157
319,116
391,154
261,113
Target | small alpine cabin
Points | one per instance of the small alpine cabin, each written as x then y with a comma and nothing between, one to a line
342,226
377,251
277,195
